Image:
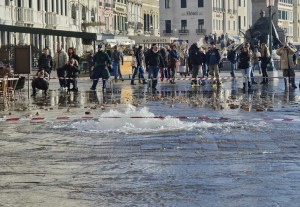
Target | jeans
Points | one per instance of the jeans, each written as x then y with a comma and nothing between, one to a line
246,74
258,65
233,69
153,74
117,70
136,70
196,69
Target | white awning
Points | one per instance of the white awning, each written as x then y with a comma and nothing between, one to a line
113,42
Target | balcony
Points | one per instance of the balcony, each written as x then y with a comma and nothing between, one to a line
24,15
183,31
200,31
168,32
51,19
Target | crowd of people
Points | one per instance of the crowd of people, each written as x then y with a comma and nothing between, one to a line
199,62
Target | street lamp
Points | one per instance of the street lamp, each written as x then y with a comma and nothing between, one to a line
270,3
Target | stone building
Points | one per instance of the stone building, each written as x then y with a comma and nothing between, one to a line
66,15
191,20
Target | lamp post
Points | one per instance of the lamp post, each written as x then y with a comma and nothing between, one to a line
270,3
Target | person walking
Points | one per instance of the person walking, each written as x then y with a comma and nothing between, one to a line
117,59
45,61
232,57
173,61
137,64
197,59
265,60
154,61
213,59
244,65
101,61
287,65
60,59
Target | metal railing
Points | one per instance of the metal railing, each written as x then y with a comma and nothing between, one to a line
183,31
200,31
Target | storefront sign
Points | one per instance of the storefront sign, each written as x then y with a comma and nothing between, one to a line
120,9
158,41
193,13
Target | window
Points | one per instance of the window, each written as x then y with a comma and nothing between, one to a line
183,24
239,23
200,24
46,5
61,7
200,3
240,3
57,7
229,25
168,26
183,3
38,5
30,4
244,21
167,4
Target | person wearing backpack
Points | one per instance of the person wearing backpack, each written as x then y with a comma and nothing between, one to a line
101,61
117,58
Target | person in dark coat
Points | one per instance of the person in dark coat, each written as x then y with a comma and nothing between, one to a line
244,65
40,82
72,71
197,59
101,61
213,59
45,61
154,61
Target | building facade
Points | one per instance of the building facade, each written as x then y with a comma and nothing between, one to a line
67,15
191,20
151,17
106,15
296,25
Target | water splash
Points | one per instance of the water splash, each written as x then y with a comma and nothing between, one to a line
126,125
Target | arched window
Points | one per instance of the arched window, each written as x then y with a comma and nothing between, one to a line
93,15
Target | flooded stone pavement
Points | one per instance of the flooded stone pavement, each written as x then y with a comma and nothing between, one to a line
246,153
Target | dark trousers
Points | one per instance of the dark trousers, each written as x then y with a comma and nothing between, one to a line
136,70
264,70
99,73
61,74
153,73
39,83
74,82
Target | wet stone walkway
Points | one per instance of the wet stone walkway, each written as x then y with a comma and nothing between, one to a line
249,159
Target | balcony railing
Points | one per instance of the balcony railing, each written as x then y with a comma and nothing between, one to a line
200,31
24,15
183,31
51,18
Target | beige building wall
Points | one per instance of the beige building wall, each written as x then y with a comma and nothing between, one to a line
297,21
151,17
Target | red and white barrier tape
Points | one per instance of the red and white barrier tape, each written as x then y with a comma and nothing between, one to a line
201,118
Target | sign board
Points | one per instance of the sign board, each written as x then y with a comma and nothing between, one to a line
152,40
22,60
